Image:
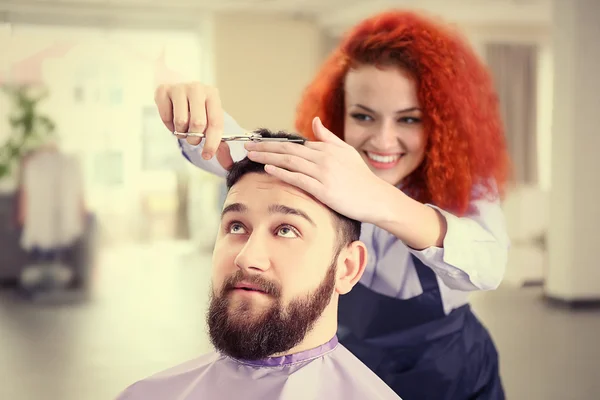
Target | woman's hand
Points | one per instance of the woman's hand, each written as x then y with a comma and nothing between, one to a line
330,170
194,107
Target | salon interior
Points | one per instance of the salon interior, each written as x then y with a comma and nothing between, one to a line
135,282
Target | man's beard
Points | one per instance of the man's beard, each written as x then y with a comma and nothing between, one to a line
241,334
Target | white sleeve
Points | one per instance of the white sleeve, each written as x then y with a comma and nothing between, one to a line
475,249
194,153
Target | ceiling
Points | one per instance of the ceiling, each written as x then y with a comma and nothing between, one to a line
333,15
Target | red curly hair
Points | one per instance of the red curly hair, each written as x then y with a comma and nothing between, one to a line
462,120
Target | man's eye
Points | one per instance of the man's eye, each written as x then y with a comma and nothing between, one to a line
287,231
236,228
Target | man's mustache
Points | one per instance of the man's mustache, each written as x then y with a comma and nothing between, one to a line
263,284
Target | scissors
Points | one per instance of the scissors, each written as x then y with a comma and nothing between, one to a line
250,137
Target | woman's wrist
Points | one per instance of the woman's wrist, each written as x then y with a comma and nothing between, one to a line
414,223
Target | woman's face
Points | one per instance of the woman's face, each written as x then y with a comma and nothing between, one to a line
383,120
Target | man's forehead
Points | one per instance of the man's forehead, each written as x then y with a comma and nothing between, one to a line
261,190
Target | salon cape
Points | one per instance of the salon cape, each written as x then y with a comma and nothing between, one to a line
328,372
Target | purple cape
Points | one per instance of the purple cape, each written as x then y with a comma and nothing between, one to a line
327,372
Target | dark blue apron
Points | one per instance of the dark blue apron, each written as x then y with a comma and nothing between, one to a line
418,350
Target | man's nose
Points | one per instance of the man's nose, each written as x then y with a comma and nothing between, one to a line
254,255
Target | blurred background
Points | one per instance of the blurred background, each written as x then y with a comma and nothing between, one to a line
134,280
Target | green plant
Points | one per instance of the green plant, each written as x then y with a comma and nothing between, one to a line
28,127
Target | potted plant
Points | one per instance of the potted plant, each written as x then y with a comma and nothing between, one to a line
28,127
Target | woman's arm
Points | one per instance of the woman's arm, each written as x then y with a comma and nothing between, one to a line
416,224
467,253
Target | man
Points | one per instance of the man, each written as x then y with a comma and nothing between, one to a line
280,263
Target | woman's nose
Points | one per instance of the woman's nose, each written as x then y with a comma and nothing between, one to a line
386,135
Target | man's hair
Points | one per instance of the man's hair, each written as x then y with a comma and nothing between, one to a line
348,229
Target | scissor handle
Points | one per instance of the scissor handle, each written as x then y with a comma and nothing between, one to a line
186,134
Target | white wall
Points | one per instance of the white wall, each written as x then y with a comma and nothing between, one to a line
262,64
573,272
545,108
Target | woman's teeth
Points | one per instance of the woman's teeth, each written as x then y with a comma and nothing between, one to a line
383,159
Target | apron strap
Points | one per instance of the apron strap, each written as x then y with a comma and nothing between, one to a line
427,277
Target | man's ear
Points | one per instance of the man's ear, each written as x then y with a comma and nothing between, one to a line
351,264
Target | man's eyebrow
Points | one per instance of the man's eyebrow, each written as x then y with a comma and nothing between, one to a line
273,209
234,207
281,209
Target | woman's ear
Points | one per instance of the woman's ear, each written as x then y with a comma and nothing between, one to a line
351,264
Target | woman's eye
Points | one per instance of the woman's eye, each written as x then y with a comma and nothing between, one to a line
287,232
361,117
410,120
236,229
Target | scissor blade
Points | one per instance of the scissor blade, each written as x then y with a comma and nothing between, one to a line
258,138
201,135
276,139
